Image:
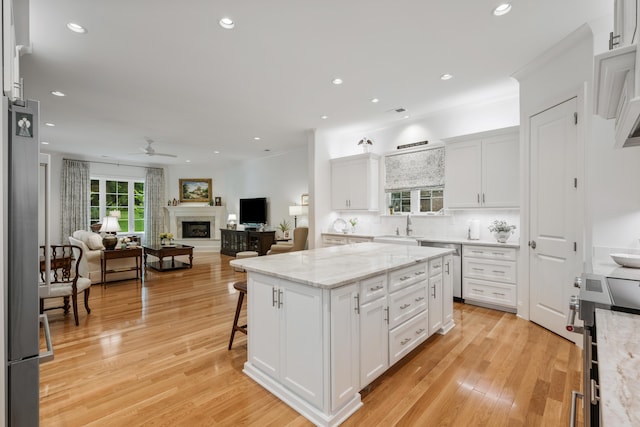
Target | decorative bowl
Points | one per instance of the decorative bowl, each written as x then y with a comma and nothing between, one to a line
502,236
627,260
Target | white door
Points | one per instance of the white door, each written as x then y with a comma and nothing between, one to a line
263,336
435,303
553,262
345,346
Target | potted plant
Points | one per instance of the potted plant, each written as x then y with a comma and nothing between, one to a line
166,236
284,226
501,230
353,222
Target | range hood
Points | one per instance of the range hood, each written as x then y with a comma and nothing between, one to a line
615,96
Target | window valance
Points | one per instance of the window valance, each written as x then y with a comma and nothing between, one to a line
416,169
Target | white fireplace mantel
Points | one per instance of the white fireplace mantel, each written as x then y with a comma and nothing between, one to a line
174,215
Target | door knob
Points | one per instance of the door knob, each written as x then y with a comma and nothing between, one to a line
532,244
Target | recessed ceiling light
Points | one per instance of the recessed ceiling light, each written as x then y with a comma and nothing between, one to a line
44,143
256,138
446,76
227,23
76,28
57,93
50,124
324,117
502,9
216,152
337,81
405,117
187,161
375,100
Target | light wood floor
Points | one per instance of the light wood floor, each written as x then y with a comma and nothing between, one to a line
156,354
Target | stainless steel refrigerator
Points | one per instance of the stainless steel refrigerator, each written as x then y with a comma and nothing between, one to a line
21,260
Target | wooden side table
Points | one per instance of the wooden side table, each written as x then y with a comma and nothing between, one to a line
168,251
135,252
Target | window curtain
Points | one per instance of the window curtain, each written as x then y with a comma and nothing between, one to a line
153,204
417,169
74,203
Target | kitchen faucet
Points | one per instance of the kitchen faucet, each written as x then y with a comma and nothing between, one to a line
409,229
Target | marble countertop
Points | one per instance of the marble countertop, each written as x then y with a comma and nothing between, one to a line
608,268
337,266
461,241
619,367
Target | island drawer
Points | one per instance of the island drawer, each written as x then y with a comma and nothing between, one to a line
328,240
490,252
373,288
408,336
435,267
489,292
406,276
406,303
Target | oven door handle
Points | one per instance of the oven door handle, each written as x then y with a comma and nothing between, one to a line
574,306
574,396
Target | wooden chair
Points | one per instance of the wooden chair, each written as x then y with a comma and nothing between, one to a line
241,287
66,278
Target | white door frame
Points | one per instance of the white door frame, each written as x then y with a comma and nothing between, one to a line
583,239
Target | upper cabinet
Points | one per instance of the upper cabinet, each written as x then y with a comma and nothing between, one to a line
354,182
616,94
482,170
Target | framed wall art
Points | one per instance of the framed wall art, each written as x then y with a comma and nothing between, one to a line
195,190
305,200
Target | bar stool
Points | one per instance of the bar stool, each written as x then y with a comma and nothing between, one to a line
241,287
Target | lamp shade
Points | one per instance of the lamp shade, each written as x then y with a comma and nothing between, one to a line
232,217
110,224
297,210
115,213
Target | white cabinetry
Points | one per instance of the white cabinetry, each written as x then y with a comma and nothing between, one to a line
482,170
447,291
345,375
625,17
489,276
435,295
284,344
354,183
343,239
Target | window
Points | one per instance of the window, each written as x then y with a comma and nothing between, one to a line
126,196
416,201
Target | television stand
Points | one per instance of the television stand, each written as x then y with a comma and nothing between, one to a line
234,241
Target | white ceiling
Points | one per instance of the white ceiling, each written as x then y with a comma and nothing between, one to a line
165,69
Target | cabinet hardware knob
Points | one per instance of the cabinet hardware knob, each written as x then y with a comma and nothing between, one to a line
404,341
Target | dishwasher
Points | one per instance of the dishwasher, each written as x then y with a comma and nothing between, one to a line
457,265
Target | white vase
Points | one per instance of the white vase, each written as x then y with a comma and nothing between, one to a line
502,236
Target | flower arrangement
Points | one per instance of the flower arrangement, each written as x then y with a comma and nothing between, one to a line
284,226
353,221
166,236
500,225
501,230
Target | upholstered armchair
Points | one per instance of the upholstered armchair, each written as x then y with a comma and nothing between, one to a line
299,242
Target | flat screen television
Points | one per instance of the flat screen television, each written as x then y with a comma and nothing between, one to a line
253,211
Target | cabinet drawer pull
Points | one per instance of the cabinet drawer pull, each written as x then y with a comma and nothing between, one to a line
498,293
477,269
418,273
478,290
404,341
419,299
273,297
280,302
403,278
477,252
402,307
498,253
437,266
419,331
376,288
498,271
357,307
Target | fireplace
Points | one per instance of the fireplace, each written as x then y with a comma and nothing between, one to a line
196,229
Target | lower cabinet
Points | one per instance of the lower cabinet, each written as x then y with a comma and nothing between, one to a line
489,276
374,340
447,292
284,344
342,239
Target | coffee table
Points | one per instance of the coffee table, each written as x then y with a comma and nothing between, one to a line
165,251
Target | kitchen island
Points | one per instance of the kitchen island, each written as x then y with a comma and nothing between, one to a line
325,323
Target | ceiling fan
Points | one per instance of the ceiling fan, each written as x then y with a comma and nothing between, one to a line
150,151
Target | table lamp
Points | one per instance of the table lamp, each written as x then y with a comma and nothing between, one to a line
110,225
231,221
297,210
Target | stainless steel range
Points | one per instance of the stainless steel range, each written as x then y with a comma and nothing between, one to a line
597,291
